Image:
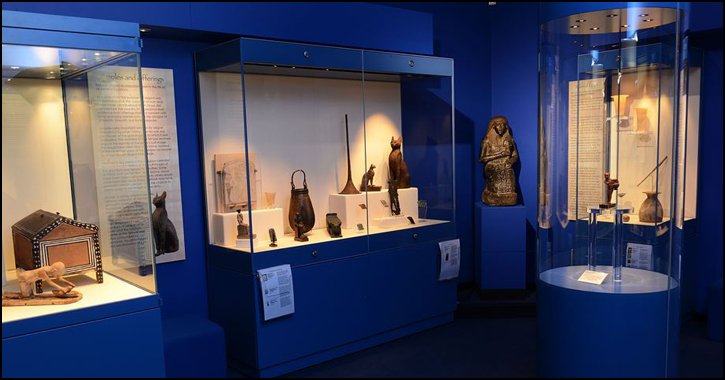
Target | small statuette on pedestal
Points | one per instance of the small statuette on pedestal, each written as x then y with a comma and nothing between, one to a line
334,225
242,228
612,185
272,237
299,228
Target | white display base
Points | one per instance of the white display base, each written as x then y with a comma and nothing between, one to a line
391,221
347,207
246,243
408,199
94,294
225,225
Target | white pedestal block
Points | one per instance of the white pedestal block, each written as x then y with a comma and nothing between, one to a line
246,243
347,207
408,199
225,225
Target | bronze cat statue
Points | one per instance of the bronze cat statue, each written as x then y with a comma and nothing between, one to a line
398,169
367,179
165,237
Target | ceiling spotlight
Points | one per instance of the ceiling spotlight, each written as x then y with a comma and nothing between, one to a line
644,15
625,26
84,59
574,26
612,15
581,20
648,20
14,67
96,54
144,30
594,28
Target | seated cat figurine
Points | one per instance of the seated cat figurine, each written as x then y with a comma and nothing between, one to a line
398,169
165,237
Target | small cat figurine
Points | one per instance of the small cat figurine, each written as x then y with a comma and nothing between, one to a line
165,237
398,168
367,179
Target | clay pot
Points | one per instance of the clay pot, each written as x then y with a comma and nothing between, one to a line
651,210
300,202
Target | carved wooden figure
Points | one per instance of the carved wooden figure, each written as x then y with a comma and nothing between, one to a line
498,155
63,295
165,237
398,169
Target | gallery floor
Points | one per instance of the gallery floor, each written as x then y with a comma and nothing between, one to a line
472,346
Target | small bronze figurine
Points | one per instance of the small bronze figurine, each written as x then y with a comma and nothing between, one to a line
242,228
299,228
272,237
612,185
498,155
398,168
334,225
394,200
367,180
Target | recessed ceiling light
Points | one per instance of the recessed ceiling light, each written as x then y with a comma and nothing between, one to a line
84,59
574,26
648,20
644,15
51,72
612,15
625,26
594,28
144,30
96,54
581,20
14,67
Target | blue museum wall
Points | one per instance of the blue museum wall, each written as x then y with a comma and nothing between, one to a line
461,32
362,25
183,285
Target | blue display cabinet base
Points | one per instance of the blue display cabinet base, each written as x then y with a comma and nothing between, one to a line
500,247
121,339
194,348
609,330
714,312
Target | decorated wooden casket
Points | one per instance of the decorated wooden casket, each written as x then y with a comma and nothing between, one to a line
43,238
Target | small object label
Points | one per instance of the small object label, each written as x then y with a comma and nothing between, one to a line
363,206
592,277
384,203
360,227
450,259
412,221
278,295
639,256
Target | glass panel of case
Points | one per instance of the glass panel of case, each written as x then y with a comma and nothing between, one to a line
75,186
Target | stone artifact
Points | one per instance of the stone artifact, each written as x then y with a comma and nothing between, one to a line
367,180
270,196
63,295
231,182
394,200
165,237
612,185
651,210
334,225
300,203
272,237
44,237
299,227
349,186
498,155
243,228
398,169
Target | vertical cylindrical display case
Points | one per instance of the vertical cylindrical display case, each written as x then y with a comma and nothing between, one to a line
613,143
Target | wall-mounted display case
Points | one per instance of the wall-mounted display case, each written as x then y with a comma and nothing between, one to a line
618,137
75,192
321,157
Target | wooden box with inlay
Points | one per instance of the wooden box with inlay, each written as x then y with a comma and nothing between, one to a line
43,238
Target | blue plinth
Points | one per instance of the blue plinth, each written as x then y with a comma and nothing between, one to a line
714,312
194,348
629,329
500,247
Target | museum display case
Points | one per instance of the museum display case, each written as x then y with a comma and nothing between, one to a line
319,157
618,137
323,132
76,226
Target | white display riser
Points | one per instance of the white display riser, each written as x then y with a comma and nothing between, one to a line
350,213
225,225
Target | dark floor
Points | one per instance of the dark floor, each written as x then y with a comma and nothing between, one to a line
488,348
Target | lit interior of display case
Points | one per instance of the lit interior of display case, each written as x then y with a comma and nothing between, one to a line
307,118
73,144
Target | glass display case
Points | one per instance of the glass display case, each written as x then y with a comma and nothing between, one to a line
617,175
323,144
75,175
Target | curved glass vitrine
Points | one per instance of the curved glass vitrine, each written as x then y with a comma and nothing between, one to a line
613,168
